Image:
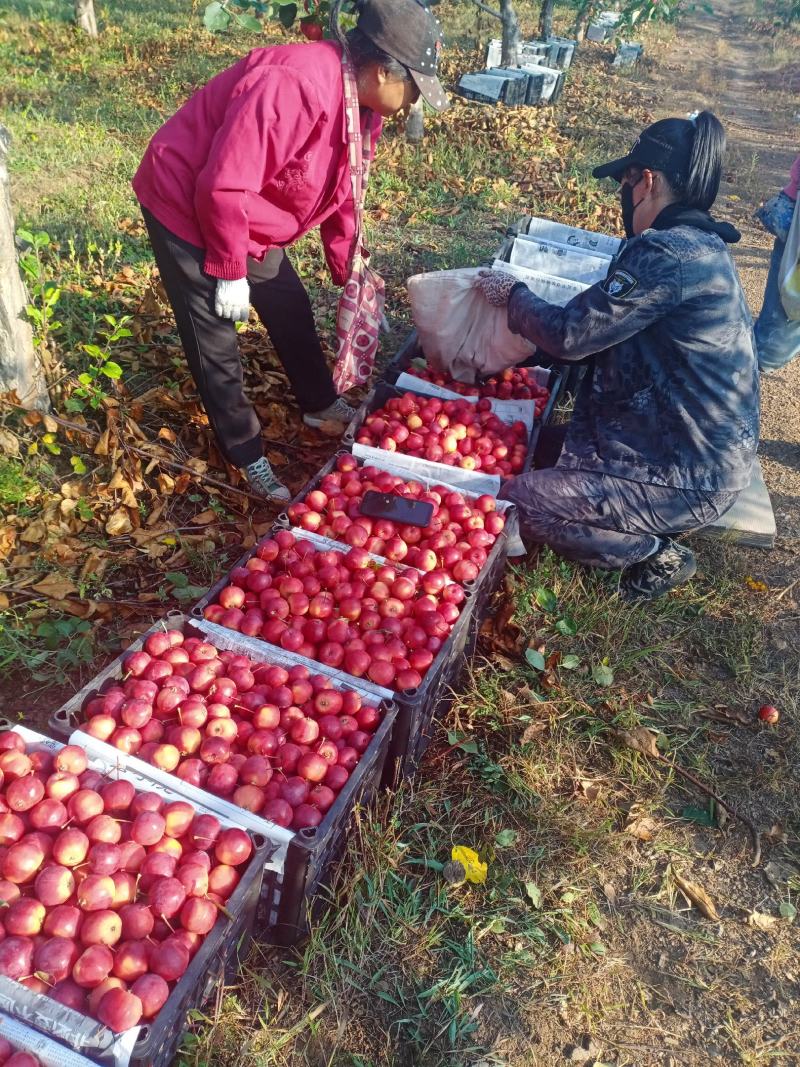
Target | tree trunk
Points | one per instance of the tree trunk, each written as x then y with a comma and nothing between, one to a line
415,123
20,368
546,19
585,15
84,17
511,36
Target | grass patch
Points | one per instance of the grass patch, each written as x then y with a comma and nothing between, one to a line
16,486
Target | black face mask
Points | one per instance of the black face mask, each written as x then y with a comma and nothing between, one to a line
628,208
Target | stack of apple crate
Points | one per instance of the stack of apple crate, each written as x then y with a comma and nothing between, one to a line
272,726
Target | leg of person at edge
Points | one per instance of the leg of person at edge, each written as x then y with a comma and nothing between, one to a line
665,426
255,159
777,336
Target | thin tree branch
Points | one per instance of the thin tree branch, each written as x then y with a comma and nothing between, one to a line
754,834
488,10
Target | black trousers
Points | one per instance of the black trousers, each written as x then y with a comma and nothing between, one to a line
600,520
211,347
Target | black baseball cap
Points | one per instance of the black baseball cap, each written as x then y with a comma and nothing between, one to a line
408,31
664,146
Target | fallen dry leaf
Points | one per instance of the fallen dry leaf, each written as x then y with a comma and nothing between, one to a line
610,893
9,443
103,445
697,896
119,522
4,601
34,533
591,790
640,739
55,586
722,713
119,483
762,921
204,518
533,732
642,827
95,564
8,539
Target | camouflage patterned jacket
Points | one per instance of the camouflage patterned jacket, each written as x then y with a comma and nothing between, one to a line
671,392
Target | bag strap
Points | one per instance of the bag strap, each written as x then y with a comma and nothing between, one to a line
359,148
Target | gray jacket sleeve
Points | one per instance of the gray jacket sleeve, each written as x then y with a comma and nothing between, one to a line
643,286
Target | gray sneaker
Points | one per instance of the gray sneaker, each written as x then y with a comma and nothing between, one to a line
339,411
263,480
670,566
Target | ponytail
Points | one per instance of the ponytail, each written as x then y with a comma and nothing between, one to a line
705,163
337,33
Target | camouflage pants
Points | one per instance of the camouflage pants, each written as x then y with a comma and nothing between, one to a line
603,521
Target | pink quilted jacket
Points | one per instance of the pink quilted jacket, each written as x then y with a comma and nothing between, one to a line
257,158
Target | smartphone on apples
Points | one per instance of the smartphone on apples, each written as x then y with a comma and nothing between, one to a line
399,509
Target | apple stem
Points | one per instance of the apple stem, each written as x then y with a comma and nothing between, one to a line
223,909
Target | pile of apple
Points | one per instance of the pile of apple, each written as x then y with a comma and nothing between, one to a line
381,622
454,432
516,383
106,893
20,1058
280,743
459,536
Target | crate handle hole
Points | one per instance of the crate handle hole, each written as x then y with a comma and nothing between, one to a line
308,833
409,694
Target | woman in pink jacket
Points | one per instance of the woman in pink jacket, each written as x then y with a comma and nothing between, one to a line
250,163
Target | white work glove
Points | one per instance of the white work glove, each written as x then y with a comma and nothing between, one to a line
232,299
496,286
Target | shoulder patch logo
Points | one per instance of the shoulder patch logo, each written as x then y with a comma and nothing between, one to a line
619,284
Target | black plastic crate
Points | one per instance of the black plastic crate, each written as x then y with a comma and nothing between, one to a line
416,708
491,574
559,89
291,899
286,900
482,88
216,961
516,84
383,391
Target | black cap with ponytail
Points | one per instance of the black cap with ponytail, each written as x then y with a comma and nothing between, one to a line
700,186
688,152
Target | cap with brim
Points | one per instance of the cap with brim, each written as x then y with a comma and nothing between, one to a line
431,89
615,169
661,147
408,31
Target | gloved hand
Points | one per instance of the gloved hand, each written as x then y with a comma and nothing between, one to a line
232,299
776,215
496,286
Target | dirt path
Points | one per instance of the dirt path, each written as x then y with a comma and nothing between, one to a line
722,62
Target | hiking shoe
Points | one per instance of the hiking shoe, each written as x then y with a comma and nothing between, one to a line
668,567
339,411
263,480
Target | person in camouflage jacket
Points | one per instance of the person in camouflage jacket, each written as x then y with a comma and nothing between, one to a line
666,422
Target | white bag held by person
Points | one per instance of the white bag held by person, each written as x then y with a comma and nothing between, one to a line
789,272
460,333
